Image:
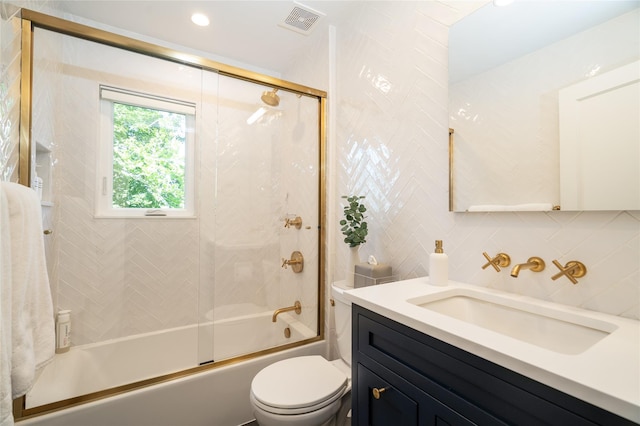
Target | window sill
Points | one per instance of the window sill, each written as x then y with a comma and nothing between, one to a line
171,217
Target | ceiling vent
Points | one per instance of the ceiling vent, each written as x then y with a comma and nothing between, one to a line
301,19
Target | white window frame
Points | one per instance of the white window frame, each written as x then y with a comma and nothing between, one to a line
104,175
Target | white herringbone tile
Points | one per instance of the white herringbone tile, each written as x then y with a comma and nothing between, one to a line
392,147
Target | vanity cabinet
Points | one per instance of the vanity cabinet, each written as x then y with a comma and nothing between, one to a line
404,377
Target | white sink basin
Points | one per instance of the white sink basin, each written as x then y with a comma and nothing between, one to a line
558,330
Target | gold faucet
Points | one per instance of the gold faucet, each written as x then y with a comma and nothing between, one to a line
296,307
534,263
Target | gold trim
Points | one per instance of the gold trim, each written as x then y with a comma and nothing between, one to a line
18,407
79,400
322,214
450,169
26,71
74,29
32,20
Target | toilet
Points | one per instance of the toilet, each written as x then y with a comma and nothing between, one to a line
308,390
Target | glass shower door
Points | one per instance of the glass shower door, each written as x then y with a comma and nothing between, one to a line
261,259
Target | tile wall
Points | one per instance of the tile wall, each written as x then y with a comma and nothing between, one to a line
391,133
10,47
386,74
122,277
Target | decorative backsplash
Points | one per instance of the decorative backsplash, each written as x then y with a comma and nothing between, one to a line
391,138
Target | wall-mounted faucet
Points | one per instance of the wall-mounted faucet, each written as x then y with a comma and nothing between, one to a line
535,264
297,307
572,270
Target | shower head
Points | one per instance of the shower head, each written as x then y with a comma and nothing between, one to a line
270,98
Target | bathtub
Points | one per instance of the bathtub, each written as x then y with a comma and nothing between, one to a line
216,396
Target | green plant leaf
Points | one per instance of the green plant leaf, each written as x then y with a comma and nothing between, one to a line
353,226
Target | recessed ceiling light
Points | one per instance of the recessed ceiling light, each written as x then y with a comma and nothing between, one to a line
200,19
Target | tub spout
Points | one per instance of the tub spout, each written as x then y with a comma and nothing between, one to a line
296,307
534,263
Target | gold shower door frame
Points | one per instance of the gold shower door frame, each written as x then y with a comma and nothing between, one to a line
32,20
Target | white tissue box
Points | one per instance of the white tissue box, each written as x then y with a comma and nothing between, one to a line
366,274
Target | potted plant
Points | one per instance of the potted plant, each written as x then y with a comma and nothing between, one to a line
355,230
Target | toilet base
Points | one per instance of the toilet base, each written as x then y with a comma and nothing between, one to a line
326,416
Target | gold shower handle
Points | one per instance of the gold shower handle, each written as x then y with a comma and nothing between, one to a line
296,262
297,222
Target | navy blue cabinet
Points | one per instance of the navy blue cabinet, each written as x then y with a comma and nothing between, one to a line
404,377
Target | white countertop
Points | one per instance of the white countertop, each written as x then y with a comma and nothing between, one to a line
606,375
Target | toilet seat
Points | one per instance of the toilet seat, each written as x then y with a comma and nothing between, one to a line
280,388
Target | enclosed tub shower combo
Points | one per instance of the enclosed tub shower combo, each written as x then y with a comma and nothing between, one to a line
211,261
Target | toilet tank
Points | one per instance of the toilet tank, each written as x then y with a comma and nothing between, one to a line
342,315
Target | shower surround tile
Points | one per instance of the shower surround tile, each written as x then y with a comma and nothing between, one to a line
119,277
127,276
9,94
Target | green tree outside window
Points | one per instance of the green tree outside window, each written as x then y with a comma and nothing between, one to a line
148,158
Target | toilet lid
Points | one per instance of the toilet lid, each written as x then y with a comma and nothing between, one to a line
298,382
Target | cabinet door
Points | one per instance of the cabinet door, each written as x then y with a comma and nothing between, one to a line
392,407
393,401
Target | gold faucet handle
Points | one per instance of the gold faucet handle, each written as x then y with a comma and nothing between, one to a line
297,222
296,262
501,260
572,270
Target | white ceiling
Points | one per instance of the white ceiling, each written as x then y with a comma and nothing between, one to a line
244,31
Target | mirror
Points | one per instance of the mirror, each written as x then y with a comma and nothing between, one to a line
516,107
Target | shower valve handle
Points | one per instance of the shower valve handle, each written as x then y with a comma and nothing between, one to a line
297,222
296,262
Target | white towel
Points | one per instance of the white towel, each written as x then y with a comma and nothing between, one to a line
529,207
487,208
6,404
532,207
32,323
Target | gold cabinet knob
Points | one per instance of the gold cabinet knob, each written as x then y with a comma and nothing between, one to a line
377,392
48,231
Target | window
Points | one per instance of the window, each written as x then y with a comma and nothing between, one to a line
146,157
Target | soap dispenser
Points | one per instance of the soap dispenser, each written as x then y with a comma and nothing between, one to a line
438,266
